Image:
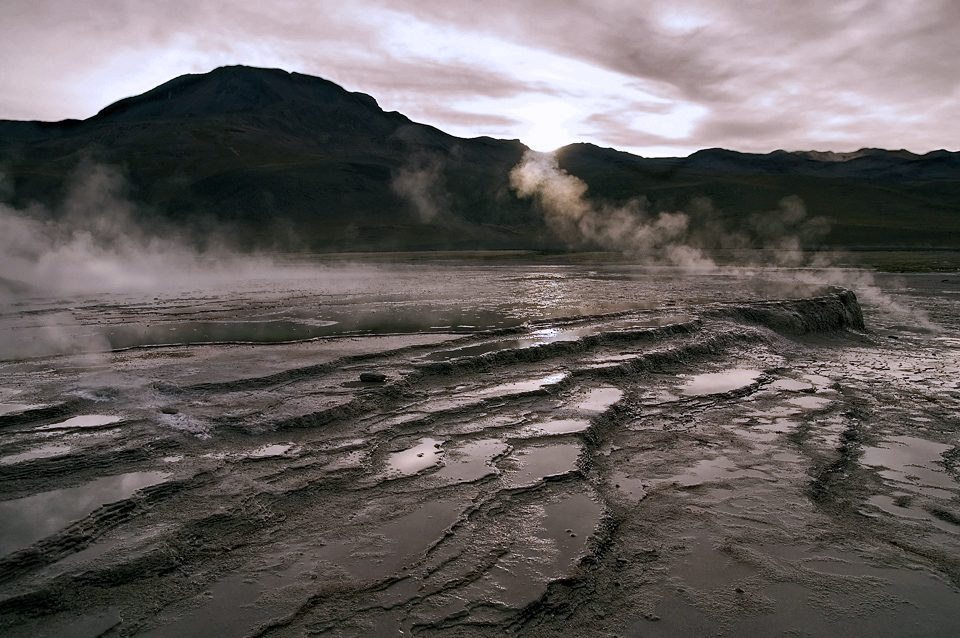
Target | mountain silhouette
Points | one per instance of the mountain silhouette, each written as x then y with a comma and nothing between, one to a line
273,158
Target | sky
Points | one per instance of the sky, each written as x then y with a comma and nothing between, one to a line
653,78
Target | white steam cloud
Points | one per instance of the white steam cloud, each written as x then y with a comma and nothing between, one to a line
679,238
686,239
631,228
94,243
421,183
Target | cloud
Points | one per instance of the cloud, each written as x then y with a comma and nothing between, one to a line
750,75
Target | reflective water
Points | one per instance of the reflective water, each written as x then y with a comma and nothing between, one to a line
26,520
791,385
427,453
537,463
82,421
277,449
42,452
720,468
565,526
473,460
810,402
12,408
598,400
501,390
718,382
553,335
560,426
913,463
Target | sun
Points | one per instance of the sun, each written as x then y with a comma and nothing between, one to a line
548,125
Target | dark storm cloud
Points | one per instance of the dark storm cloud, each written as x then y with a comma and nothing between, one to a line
746,74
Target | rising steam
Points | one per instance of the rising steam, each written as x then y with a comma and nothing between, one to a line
421,183
94,243
685,239
631,228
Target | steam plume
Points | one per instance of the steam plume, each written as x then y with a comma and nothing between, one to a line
672,237
421,183
94,243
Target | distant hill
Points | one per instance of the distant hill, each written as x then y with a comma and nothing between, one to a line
277,158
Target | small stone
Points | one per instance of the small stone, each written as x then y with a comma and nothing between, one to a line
169,410
739,590
373,377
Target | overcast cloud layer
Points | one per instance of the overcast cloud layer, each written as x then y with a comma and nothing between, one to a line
654,78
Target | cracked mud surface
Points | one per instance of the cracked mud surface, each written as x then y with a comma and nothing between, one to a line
556,449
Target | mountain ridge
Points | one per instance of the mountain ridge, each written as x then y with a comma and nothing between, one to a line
266,153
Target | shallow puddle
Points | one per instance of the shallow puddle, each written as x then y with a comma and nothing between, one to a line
506,389
720,468
473,351
912,462
892,505
610,361
473,460
809,402
767,432
230,609
792,385
13,408
569,523
560,426
537,463
526,386
633,487
521,576
818,380
42,452
24,521
656,322
277,449
427,453
718,382
384,549
83,421
536,338
553,335
599,400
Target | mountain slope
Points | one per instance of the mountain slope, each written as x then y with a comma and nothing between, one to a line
284,159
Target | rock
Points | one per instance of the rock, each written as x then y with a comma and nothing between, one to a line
373,377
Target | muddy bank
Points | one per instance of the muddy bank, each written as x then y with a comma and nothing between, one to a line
731,466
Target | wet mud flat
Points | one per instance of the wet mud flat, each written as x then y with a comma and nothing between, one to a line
628,455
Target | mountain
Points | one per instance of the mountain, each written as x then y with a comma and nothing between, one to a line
269,154
284,159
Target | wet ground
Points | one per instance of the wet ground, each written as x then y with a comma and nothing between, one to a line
556,449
